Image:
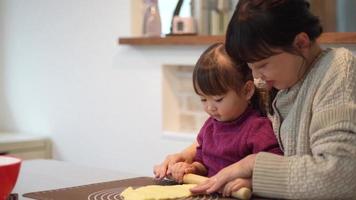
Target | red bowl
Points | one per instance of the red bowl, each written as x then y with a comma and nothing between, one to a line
9,171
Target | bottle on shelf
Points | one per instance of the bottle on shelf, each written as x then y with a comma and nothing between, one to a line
220,16
152,19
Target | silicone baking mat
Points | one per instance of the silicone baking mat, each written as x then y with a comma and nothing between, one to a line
106,191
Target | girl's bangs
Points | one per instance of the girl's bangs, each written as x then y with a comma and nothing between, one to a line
209,82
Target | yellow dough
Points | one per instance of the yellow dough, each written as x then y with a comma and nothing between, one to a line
157,192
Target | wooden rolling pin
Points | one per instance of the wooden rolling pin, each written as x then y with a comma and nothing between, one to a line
243,193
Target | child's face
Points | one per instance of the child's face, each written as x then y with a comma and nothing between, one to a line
225,107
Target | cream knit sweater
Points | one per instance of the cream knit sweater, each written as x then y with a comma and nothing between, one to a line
315,123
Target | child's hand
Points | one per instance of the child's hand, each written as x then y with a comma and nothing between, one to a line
162,170
187,155
235,185
179,169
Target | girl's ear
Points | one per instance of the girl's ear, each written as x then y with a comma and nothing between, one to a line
249,90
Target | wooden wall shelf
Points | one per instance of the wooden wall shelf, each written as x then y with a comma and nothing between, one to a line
325,38
173,40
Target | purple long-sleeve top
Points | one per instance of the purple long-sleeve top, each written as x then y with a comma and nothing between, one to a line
224,143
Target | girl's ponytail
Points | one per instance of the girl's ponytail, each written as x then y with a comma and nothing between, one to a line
262,100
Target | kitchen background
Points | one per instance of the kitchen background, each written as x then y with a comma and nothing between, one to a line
63,75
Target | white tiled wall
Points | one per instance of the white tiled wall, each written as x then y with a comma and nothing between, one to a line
182,110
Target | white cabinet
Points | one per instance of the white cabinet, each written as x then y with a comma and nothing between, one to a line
25,146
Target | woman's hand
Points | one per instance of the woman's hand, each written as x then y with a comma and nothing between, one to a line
240,170
162,170
235,185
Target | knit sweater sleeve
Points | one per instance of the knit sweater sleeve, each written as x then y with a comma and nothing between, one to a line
329,171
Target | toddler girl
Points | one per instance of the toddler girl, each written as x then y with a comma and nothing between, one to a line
236,127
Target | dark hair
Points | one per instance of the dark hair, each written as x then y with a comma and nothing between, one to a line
215,73
259,26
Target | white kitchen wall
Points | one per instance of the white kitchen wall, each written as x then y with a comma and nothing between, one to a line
3,105
64,75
